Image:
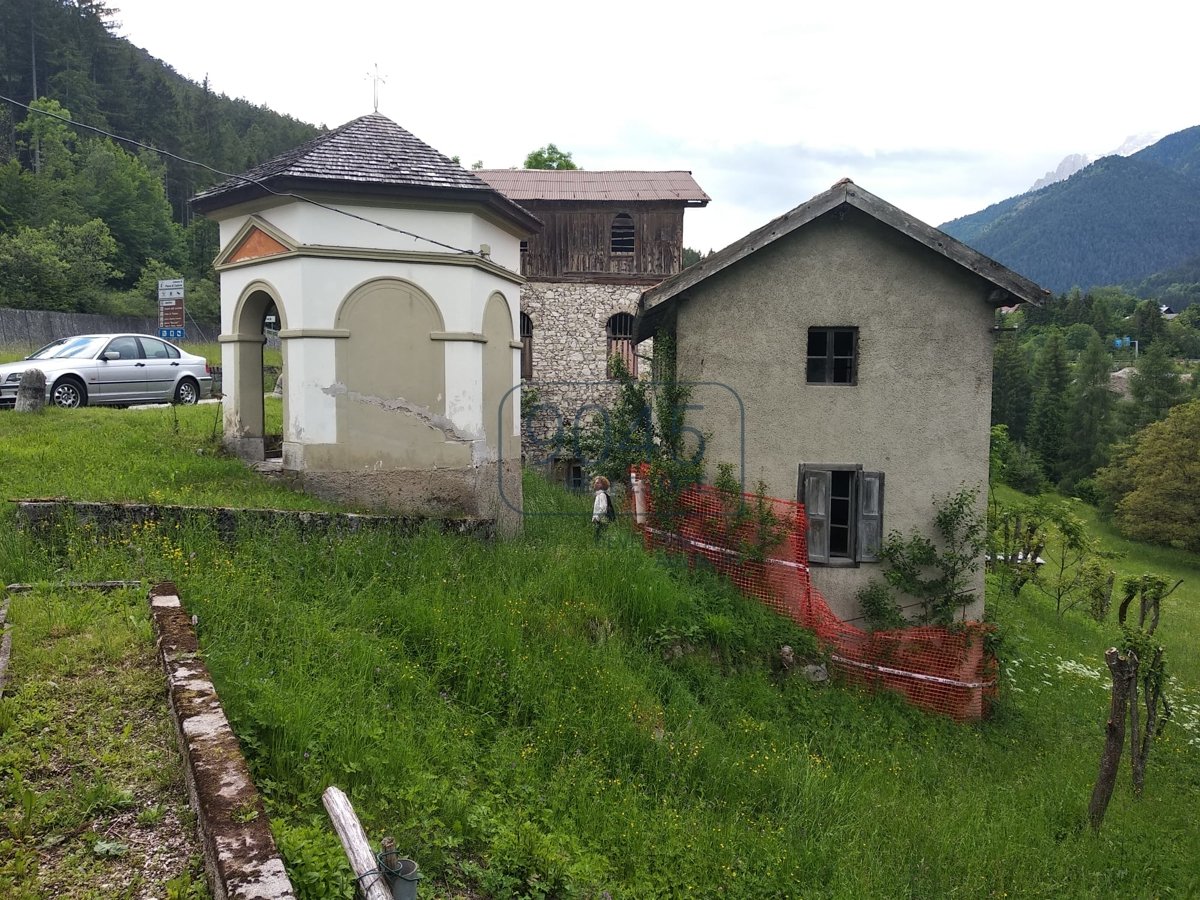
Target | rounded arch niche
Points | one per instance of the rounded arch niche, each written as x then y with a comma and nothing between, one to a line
391,405
499,415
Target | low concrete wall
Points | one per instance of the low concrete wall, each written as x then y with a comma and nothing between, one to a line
45,514
240,856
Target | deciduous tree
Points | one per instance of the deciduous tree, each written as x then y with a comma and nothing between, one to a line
549,157
1155,484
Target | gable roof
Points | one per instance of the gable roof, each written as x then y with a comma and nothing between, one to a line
582,184
370,155
1008,286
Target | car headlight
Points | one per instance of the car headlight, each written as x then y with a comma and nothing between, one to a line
14,376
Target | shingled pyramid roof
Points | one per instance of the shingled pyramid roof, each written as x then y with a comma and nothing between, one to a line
370,155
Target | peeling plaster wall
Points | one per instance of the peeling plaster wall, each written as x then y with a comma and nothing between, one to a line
381,391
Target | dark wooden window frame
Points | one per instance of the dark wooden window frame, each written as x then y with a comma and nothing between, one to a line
526,347
619,330
622,235
861,518
832,367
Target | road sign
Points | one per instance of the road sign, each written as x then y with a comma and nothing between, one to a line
170,289
176,334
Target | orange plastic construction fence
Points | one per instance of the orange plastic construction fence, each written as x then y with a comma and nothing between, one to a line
759,543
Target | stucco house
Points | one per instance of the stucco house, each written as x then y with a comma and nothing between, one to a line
395,276
608,235
858,341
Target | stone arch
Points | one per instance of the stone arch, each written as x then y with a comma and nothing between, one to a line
242,362
391,378
498,401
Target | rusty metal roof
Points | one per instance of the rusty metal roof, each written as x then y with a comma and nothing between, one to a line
371,154
583,184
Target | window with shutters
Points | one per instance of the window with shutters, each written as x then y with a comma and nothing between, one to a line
832,356
844,507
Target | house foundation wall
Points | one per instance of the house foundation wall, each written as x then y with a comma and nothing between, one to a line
491,490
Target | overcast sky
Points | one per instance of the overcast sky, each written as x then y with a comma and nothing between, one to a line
941,108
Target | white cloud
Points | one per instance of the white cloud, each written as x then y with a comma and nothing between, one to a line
939,107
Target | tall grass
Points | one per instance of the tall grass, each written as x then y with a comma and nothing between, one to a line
546,717
162,454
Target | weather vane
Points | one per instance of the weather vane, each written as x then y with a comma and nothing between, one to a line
377,79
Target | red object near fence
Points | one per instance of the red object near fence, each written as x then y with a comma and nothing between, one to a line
759,543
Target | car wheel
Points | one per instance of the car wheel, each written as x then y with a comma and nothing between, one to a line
187,392
69,393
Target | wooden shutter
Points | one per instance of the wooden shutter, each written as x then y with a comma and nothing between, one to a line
870,516
814,494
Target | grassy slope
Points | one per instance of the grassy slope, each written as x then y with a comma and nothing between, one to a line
509,713
91,784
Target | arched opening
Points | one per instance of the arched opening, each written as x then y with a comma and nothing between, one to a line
620,342
247,362
622,239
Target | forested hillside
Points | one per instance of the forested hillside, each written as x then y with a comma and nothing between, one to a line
1096,395
1118,221
89,224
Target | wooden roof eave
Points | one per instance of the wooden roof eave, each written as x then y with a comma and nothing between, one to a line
491,200
1016,287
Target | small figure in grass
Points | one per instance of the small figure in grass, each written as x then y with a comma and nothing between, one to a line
602,510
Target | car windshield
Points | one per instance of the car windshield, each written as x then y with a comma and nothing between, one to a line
71,347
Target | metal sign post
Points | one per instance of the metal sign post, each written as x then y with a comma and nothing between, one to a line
171,312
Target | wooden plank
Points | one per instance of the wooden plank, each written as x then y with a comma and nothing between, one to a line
354,840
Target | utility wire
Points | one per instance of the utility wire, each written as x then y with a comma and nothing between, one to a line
254,181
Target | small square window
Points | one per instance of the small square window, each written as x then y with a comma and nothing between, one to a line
832,356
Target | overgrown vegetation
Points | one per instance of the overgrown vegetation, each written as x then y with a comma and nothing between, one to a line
543,717
91,784
1090,396
934,573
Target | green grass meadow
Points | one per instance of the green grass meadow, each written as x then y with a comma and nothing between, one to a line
548,717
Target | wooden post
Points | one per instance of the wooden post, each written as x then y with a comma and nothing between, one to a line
1124,672
354,840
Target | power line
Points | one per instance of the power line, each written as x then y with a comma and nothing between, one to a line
254,181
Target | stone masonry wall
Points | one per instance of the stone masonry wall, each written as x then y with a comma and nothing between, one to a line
570,347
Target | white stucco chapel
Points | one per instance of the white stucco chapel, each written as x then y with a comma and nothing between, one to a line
395,276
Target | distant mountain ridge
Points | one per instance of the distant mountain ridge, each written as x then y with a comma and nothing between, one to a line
1118,220
1073,162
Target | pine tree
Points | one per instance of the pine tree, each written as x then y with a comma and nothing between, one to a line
1090,420
1047,432
1155,387
1011,395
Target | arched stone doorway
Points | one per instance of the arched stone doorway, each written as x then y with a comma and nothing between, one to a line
242,378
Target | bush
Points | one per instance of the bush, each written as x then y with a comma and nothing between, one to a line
1023,470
